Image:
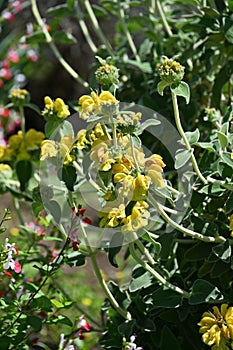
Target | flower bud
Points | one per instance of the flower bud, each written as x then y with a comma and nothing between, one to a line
170,71
107,74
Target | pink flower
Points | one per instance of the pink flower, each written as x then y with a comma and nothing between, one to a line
6,14
17,267
35,228
13,56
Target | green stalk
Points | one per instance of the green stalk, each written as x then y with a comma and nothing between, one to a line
163,18
101,280
186,142
154,273
84,28
97,28
128,35
53,47
133,154
22,118
185,230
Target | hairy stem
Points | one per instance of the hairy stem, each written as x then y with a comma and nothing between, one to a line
53,47
163,18
97,28
154,273
182,134
101,280
185,230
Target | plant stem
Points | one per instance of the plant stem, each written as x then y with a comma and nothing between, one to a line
97,28
101,280
127,33
154,273
163,17
17,209
182,134
84,28
133,153
22,118
53,47
185,230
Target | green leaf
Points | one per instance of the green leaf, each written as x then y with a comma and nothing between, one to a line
35,38
5,342
223,251
59,10
226,158
146,124
54,209
223,140
62,319
115,247
205,145
165,298
64,38
161,86
182,157
35,322
140,282
43,303
34,108
145,67
51,126
136,141
169,340
126,328
193,136
204,292
24,172
69,176
157,246
181,89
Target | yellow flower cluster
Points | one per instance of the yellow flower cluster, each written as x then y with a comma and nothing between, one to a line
97,104
170,71
117,216
19,147
86,138
56,108
5,167
50,148
127,122
107,74
19,97
217,328
131,177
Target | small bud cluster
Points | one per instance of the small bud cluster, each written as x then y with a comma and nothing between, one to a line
170,71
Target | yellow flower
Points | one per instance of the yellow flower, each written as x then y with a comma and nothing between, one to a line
16,140
48,103
154,167
137,219
19,97
112,217
33,138
95,104
217,327
48,149
141,185
82,140
5,167
57,108
61,108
